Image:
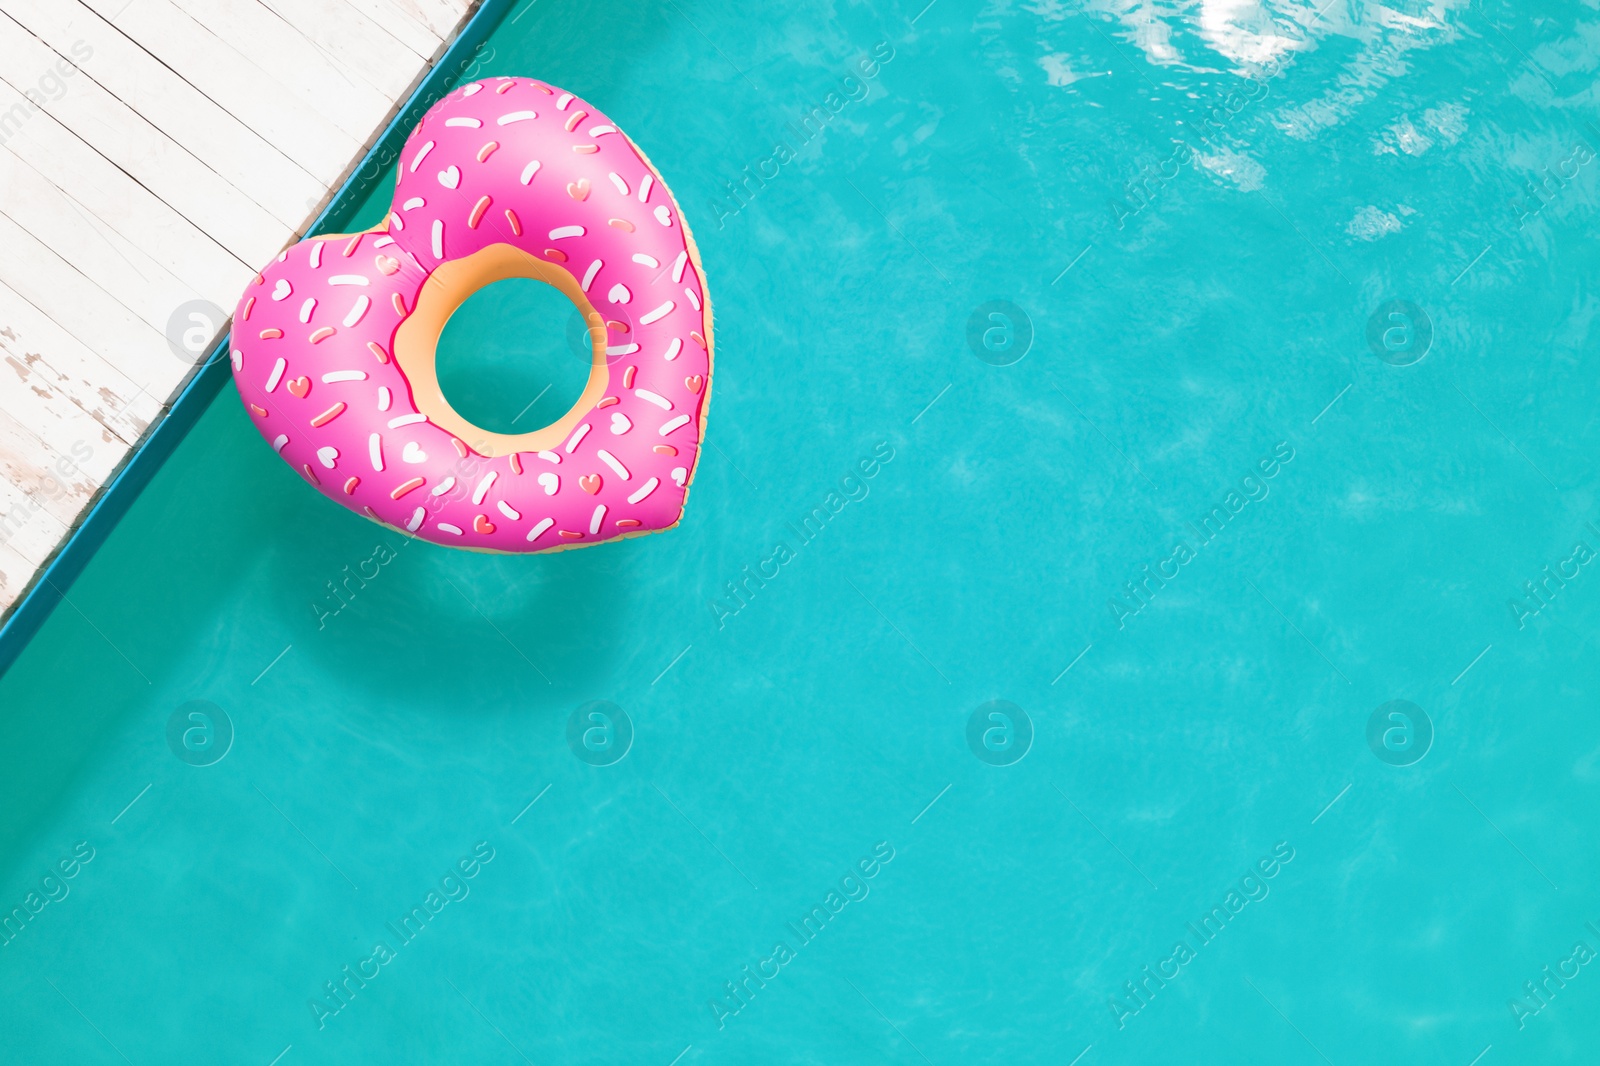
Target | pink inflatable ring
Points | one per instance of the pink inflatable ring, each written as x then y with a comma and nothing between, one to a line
333,344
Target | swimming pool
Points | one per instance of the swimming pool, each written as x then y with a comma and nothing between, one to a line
1177,428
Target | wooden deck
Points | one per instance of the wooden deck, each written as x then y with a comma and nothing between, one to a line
153,155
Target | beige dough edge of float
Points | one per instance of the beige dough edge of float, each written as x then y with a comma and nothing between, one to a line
450,285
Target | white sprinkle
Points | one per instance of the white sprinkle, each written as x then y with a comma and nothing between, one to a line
238,360
384,397
469,123
349,279
472,90
563,100
550,457
276,375
645,490
644,188
674,348
448,528
649,397
529,171
566,231
413,203
406,420
444,486
416,520
677,265
658,314
280,441
316,254
611,461
483,486
646,260
694,301
421,155
515,116
383,242
397,222
621,349
676,423
599,516
344,375
619,294
582,432
306,309
663,215
600,131
533,534
507,510
621,185
588,275
375,451
438,238
358,311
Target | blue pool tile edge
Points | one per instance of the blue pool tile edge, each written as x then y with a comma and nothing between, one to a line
50,586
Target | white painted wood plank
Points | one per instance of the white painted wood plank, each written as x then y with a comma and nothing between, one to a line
313,73
58,493
32,345
240,155
442,17
235,81
64,293
15,573
119,248
86,116
404,26
63,426
358,43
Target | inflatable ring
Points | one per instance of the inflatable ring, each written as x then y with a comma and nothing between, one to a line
333,344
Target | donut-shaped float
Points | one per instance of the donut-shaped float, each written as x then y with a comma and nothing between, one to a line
334,343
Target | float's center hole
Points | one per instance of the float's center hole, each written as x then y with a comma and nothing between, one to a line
514,357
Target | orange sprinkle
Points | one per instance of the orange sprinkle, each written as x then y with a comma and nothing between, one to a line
575,118
375,349
250,305
503,86
329,415
569,534
620,327
257,411
586,149
350,486
477,212
543,88
271,334
399,305
259,280
664,449
556,253
311,475
322,334
627,377
695,336
487,150
461,449
621,224
628,523
371,513
350,248
516,463
607,402
401,489
516,223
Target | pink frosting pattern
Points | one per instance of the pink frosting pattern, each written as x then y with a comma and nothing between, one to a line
504,160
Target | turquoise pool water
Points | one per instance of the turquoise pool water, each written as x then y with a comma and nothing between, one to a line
1327,371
